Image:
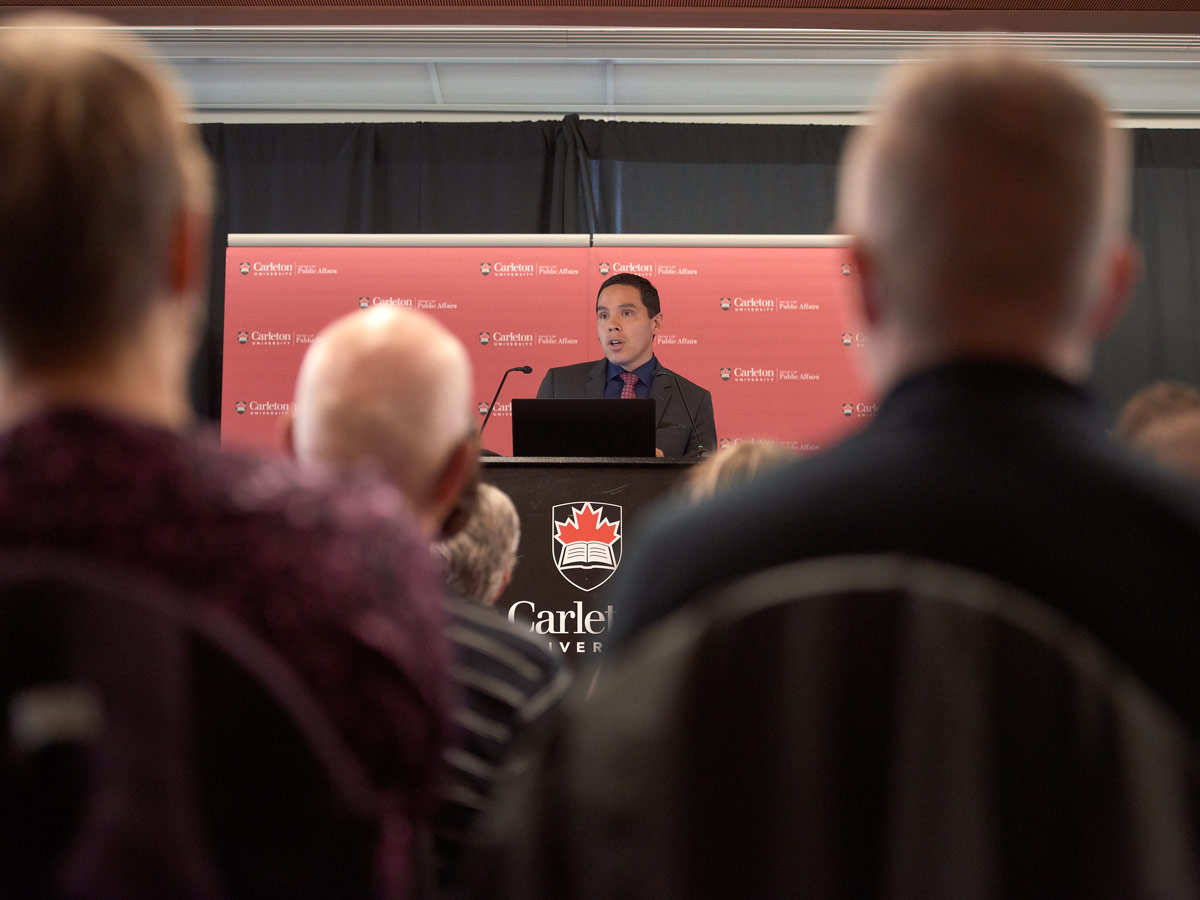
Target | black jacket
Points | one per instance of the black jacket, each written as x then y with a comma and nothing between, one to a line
998,468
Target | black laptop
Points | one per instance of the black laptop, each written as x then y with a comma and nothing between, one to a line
583,427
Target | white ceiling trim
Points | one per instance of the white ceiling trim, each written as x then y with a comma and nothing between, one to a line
703,74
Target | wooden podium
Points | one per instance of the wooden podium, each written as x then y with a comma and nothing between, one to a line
579,517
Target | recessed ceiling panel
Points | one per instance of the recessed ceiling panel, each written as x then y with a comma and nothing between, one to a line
1149,89
532,85
729,87
313,85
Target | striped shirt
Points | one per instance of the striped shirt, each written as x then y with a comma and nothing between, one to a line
506,680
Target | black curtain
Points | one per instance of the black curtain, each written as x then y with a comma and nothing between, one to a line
1159,335
409,178
583,176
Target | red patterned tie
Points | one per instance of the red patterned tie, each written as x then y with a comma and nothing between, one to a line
627,392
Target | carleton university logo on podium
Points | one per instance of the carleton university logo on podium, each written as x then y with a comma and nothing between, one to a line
586,542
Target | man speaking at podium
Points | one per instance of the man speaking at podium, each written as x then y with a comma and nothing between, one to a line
628,316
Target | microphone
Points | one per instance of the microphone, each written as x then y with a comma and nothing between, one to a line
701,452
492,405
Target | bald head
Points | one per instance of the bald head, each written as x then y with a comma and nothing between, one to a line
988,200
390,388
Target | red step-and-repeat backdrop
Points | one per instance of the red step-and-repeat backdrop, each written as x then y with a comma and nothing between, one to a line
764,324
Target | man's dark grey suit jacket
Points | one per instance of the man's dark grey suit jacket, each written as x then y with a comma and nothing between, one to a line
673,434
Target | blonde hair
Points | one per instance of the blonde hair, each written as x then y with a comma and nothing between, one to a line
96,162
738,463
1162,420
1152,404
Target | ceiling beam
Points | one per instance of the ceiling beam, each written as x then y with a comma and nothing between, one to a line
1082,16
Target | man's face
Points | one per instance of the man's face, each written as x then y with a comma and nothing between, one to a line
625,327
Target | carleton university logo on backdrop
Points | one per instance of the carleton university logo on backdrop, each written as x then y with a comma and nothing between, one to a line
726,443
244,268
726,373
485,268
846,270
243,336
485,337
240,407
364,302
726,303
604,268
847,409
483,408
847,338
586,543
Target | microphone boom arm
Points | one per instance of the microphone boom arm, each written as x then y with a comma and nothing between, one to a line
492,405
700,449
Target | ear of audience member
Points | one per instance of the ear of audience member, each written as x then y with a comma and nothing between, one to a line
390,389
105,206
1162,420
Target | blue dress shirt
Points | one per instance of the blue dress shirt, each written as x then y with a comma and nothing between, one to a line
644,372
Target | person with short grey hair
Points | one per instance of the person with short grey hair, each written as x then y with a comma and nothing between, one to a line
478,562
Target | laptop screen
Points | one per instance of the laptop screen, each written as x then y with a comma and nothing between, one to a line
583,427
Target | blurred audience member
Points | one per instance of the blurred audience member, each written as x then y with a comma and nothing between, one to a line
986,203
1156,401
478,562
390,389
985,286
105,206
732,466
1163,421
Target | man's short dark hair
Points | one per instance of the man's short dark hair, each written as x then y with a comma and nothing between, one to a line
648,291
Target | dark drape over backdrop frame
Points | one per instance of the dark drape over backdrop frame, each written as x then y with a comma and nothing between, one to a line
587,176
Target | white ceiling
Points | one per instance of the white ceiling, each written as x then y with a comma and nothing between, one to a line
359,73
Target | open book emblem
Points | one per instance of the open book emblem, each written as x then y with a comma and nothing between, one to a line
586,542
